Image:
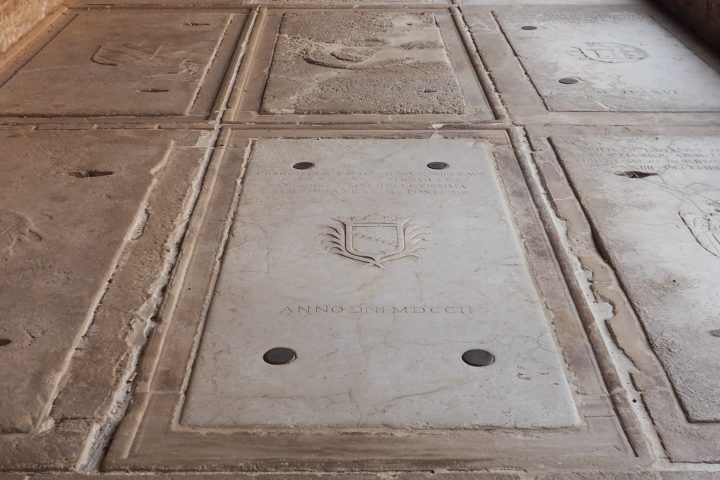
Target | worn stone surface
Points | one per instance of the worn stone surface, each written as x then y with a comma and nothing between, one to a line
330,61
122,62
291,476
654,204
73,202
618,59
600,476
390,273
205,398
689,475
378,386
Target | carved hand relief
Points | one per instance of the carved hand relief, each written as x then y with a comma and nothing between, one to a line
704,224
374,239
15,230
606,52
143,60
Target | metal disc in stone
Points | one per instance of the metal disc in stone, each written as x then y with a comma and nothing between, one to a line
478,358
280,356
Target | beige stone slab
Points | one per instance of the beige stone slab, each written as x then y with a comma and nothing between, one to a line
345,65
89,219
124,63
389,272
288,476
360,62
643,226
655,206
220,270
648,475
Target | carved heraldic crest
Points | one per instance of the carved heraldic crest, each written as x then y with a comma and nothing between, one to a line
375,239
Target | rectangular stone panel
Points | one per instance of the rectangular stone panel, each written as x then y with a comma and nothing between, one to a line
76,200
358,62
549,2
125,62
379,272
655,207
602,60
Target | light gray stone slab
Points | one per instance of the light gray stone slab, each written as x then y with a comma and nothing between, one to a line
655,207
551,2
623,60
124,62
349,2
379,335
688,475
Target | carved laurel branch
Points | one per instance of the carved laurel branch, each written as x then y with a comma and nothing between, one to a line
415,240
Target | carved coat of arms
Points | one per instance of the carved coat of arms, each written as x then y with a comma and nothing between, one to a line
612,52
375,239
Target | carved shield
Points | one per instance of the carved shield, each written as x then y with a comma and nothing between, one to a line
375,240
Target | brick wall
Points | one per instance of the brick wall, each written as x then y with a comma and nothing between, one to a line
17,17
702,16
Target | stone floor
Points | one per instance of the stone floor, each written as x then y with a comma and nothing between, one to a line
371,241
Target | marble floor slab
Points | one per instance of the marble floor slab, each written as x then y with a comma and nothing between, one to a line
395,264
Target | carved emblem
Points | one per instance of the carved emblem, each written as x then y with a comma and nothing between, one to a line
375,239
612,52
144,60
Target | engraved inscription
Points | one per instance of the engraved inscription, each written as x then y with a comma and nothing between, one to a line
660,164
367,309
350,181
649,156
574,17
374,239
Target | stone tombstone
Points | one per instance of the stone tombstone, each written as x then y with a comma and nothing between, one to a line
379,262
654,203
598,60
124,62
358,65
80,207
361,63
